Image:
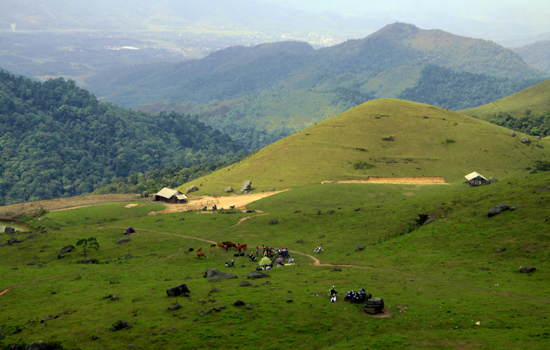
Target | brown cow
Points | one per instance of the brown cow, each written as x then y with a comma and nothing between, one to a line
199,253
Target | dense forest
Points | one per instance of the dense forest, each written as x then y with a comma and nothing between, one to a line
58,140
446,88
153,181
530,123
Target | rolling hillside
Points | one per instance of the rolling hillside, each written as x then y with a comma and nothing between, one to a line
537,55
385,137
283,87
534,98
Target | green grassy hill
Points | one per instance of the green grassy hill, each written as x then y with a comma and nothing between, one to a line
534,98
452,283
385,137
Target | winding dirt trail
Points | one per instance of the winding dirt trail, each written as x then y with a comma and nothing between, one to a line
241,220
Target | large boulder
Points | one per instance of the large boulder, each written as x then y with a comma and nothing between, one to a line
228,189
360,247
177,290
123,240
39,345
497,210
67,249
527,269
129,230
525,139
492,180
12,241
247,186
9,230
222,276
192,188
257,274
209,273
513,134
245,284
374,306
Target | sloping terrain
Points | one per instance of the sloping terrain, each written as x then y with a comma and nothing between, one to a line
250,92
534,99
388,138
537,55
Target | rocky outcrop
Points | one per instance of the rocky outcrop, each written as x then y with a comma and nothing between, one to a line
67,249
257,274
527,269
228,189
497,210
192,189
129,230
123,240
374,306
247,186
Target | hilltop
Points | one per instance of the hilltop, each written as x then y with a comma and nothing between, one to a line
255,92
534,99
385,137
537,55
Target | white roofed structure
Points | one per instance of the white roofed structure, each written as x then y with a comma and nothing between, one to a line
476,179
170,195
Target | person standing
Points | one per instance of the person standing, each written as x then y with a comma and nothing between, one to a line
244,249
239,247
257,250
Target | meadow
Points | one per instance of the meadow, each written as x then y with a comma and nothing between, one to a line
437,281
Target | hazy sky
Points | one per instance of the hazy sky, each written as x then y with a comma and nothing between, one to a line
534,15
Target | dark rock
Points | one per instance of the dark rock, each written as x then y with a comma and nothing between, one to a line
492,180
211,273
290,301
182,219
123,240
246,186
500,250
115,297
30,264
336,269
129,230
128,256
512,208
122,324
322,236
187,277
357,209
484,268
222,276
525,139
214,291
542,189
61,256
15,268
192,188
273,222
245,284
85,261
297,211
31,236
174,307
527,269
177,290
360,247
239,303
67,249
429,221
266,283
300,241
45,319
9,230
12,241
56,229
497,210
39,345
513,134
539,145
257,274
228,189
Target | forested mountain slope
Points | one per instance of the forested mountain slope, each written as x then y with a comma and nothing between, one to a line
536,55
284,87
58,140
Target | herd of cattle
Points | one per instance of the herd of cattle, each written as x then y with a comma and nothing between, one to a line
225,245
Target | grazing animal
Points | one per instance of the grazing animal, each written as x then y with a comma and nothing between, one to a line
213,245
199,253
191,249
229,245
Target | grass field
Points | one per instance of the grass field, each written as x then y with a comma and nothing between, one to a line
437,281
387,138
534,98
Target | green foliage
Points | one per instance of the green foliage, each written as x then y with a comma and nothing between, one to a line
87,244
447,88
57,140
530,123
542,165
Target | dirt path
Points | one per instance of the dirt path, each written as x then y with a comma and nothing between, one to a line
433,180
239,201
241,220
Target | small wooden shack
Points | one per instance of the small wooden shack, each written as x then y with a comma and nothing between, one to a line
475,179
170,196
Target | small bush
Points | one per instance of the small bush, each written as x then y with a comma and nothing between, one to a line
389,138
542,165
363,165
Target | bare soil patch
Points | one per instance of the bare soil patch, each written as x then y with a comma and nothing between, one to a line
239,201
14,211
425,180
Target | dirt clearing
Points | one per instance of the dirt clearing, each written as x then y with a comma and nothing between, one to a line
427,180
239,201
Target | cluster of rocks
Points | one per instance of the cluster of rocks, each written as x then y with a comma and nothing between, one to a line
216,275
129,230
51,317
374,306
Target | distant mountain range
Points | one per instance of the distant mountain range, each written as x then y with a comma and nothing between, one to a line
131,15
251,92
536,55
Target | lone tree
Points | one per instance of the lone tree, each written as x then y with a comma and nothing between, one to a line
88,243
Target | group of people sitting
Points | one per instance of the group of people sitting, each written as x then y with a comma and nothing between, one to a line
357,297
